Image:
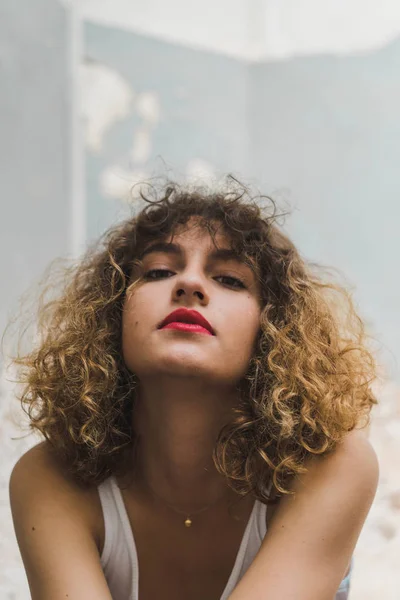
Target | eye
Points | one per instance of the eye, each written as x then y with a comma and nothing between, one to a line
231,281
155,274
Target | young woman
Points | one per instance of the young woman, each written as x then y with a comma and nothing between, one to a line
203,398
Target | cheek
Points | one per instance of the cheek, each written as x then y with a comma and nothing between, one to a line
131,320
133,334
250,318
137,309
129,313
244,326
241,344
140,315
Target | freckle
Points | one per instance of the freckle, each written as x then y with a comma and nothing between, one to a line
33,529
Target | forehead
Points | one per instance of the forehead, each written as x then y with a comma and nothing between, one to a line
194,237
198,230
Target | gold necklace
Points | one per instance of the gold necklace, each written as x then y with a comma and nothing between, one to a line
188,521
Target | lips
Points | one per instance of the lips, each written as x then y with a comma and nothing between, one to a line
184,315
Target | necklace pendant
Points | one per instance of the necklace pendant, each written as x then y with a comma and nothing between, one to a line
188,522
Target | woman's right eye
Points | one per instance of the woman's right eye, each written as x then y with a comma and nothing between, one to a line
157,274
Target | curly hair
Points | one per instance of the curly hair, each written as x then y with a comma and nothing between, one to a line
307,383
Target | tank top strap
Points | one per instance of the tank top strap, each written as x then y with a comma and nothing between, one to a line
110,515
119,556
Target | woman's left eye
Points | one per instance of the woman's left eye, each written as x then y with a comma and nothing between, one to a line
232,281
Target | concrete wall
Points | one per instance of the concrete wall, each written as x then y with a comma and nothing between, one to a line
35,142
35,199
326,131
184,106
224,26
257,29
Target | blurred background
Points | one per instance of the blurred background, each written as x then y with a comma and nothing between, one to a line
298,98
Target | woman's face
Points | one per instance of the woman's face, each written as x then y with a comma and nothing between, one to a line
191,273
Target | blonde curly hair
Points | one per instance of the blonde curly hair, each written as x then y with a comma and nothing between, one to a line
307,384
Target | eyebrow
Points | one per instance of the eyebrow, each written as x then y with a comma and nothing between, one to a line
177,250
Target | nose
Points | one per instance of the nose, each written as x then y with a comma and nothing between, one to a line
191,285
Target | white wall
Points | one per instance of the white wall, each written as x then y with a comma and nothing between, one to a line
256,29
218,25
304,27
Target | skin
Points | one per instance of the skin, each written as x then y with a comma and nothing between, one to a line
188,380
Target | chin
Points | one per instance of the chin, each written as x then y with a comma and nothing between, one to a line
180,367
185,366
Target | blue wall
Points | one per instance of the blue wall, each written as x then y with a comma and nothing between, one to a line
328,129
203,109
323,129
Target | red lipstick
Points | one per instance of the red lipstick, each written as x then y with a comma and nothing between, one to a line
184,319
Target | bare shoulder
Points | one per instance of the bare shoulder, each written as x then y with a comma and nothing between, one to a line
40,461
37,471
56,527
353,464
346,478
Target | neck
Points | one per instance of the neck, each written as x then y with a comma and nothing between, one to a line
177,424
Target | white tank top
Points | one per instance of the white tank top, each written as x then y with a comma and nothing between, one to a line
119,559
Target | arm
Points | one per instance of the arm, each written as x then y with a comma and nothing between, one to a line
54,532
310,542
